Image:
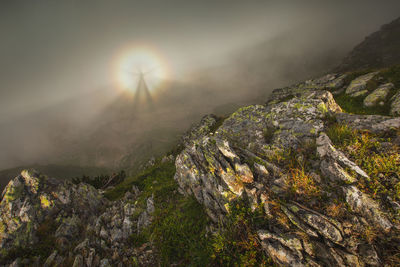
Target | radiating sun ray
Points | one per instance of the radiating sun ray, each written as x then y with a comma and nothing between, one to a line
136,62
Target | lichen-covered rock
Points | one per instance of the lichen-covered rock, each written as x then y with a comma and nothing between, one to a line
395,105
358,86
378,96
70,214
374,123
284,249
241,160
324,226
366,207
325,150
277,158
30,197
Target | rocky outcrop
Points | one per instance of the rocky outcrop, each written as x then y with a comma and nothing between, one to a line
378,96
358,87
240,160
395,105
76,221
281,159
30,198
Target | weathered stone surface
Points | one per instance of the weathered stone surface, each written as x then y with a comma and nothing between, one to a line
105,263
323,225
373,123
366,207
32,200
395,105
146,216
285,249
261,153
378,96
236,161
49,261
332,170
325,149
78,262
357,87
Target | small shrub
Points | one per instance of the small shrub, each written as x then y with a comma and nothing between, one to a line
364,149
335,210
369,234
236,243
302,184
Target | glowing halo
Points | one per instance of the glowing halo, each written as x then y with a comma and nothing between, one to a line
136,59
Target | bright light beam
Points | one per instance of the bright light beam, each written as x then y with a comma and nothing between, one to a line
140,59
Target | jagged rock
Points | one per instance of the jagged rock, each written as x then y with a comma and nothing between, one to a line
116,235
285,249
366,207
395,105
358,86
49,261
235,162
332,170
135,191
373,123
369,255
247,156
81,246
90,258
329,82
210,167
325,149
145,217
30,197
16,263
105,263
76,213
69,228
378,96
78,262
324,226
201,129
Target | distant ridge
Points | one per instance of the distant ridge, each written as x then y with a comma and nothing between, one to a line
378,50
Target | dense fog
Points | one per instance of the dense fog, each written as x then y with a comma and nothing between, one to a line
59,101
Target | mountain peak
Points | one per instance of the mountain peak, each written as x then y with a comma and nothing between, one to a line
378,50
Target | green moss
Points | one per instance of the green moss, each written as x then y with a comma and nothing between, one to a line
286,98
355,104
44,201
2,227
322,108
44,233
179,232
13,192
149,180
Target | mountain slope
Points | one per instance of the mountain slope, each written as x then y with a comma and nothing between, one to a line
293,182
380,49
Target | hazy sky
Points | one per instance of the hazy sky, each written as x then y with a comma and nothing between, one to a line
54,50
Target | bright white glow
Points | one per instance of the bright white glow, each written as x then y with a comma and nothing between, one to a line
136,60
